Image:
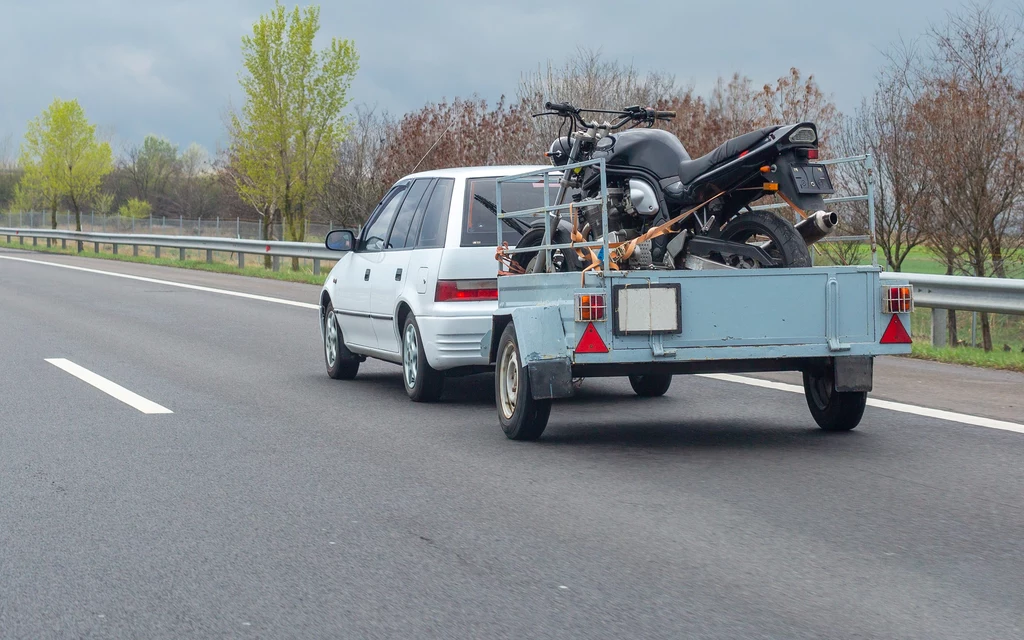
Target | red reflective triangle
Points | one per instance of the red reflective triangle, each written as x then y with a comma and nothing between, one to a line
895,333
590,341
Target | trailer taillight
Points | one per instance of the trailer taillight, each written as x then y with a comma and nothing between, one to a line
453,290
812,154
589,307
898,299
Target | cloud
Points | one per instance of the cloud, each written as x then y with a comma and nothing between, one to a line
171,68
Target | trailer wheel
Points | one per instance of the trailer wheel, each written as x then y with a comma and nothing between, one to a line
651,385
832,410
521,416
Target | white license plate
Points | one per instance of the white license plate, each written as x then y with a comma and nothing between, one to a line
647,309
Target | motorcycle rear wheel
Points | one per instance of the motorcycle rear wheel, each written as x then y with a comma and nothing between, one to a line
784,242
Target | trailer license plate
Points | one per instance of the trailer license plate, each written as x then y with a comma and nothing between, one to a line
643,308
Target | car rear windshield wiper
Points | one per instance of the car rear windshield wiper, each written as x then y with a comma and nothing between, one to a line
518,225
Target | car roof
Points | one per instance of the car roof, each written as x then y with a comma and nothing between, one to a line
477,172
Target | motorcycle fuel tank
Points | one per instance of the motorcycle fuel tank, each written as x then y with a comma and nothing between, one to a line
655,150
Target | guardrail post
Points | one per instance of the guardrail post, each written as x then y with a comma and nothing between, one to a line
316,266
939,327
181,255
35,241
135,250
241,260
209,256
156,251
47,243
96,246
276,262
63,243
115,248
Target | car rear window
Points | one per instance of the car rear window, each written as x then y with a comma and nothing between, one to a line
480,227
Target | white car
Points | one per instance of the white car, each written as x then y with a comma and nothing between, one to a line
417,286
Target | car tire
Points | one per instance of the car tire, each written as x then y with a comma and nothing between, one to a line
341,363
521,416
651,385
422,382
832,410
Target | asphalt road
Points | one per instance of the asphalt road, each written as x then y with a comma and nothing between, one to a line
276,503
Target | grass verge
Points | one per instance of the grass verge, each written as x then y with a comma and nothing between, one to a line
304,276
1008,360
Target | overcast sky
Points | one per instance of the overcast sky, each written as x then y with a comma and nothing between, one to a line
171,67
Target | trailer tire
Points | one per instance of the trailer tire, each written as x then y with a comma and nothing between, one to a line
651,385
521,416
832,410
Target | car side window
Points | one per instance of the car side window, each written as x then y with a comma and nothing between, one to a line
404,218
434,225
376,230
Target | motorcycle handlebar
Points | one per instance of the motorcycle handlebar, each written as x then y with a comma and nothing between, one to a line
560,106
664,115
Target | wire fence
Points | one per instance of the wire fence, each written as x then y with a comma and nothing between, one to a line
215,227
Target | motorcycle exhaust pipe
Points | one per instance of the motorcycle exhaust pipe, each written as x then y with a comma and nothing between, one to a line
817,225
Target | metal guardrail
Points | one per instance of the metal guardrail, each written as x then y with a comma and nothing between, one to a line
275,248
937,292
965,293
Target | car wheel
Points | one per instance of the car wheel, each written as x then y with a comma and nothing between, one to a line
341,363
521,416
422,382
650,385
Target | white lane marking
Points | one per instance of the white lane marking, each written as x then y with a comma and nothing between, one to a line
110,388
194,287
926,412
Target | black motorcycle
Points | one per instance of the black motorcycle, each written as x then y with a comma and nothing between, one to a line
666,211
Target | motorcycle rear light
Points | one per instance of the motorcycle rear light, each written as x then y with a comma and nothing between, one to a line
803,135
455,290
898,299
812,154
589,307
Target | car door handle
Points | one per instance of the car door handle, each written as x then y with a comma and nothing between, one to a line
398,275
366,276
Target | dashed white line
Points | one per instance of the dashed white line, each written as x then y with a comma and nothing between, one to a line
169,283
108,387
900,407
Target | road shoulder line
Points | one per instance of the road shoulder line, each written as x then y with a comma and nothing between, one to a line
940,414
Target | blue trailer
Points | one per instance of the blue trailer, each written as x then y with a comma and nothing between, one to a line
651,324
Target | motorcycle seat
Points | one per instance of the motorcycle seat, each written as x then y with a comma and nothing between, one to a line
690,169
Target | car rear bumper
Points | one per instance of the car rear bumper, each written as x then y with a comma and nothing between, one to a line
451,342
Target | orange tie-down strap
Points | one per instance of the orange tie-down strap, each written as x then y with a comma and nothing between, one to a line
620,251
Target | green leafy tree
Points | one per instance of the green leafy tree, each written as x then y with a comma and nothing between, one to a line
151,167
62,158
284,138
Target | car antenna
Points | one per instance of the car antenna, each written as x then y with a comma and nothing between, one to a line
450,123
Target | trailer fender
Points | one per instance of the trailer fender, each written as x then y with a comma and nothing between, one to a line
541,339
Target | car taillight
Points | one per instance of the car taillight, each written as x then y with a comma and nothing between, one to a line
898,299
589,307
449,290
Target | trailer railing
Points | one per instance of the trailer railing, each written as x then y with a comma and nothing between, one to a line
550,211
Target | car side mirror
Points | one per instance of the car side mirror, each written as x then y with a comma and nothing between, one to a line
340,240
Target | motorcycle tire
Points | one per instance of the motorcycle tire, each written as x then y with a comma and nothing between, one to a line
535,237
786,242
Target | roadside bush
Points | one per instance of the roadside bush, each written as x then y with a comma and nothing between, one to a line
135,208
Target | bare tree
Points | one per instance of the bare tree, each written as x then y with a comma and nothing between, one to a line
971,113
